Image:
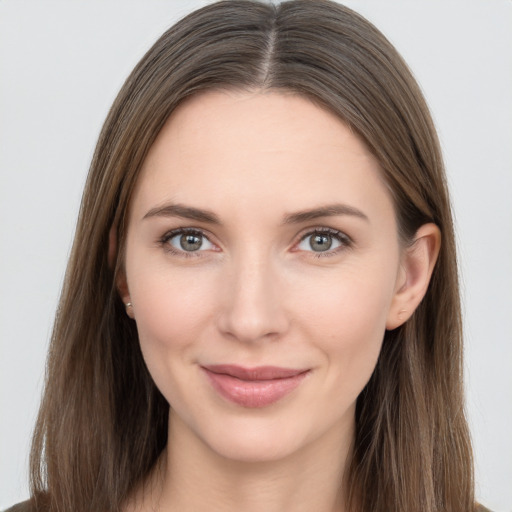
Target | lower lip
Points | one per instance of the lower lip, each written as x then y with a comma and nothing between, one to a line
253,393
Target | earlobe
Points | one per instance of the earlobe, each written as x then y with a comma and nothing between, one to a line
121,281
417,265
124,293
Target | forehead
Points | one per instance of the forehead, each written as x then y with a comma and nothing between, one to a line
265,121
268,148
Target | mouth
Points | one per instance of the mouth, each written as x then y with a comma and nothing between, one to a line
253,387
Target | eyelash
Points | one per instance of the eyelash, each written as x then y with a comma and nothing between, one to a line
344,240
164,242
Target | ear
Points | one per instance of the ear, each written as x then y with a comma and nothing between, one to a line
417,265
121,281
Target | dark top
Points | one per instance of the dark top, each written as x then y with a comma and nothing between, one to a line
21,507
25,506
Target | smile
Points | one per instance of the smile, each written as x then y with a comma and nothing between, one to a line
253,387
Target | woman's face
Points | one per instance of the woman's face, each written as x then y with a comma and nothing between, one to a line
262,262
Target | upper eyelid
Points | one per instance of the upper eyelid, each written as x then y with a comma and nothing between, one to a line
324,229
178,231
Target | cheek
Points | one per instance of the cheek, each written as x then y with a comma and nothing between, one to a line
347,319
352,305
171,309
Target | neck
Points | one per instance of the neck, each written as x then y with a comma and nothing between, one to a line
190,476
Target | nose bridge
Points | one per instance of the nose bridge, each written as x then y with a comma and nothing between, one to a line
252,306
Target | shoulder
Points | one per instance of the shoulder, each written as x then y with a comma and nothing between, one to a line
481,508
25,506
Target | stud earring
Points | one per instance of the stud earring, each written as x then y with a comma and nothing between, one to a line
129,311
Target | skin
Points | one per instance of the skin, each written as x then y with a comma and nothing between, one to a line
258,292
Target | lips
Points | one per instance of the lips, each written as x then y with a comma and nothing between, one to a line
253,387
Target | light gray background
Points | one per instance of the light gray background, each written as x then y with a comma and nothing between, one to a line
61,64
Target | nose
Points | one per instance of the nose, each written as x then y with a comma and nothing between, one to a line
252,302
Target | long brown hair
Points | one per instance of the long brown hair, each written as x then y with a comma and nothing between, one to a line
102,422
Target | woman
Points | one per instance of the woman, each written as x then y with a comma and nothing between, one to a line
261,308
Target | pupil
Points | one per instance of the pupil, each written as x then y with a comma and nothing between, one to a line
321,242
190,242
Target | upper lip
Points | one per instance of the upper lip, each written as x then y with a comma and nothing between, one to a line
254,374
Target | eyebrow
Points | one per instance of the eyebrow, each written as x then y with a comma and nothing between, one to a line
331,210
184,212
200,215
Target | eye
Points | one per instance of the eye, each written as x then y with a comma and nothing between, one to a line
323,241
188,241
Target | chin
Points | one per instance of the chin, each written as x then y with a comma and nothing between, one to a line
258,437
255,448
